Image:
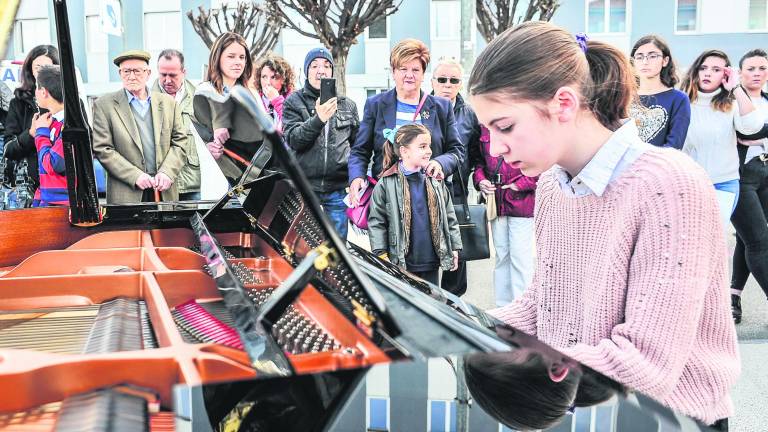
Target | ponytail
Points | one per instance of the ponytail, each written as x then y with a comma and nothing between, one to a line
613,84
545,57
390,156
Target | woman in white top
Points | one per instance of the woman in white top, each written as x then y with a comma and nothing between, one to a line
719,108
749,218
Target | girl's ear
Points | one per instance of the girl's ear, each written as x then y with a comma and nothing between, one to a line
565,104
665,62
558,372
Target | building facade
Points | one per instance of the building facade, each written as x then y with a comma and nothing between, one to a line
690,26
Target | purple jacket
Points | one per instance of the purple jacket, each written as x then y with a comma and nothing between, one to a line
508,202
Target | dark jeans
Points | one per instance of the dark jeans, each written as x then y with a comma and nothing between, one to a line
432,276
334,207
455,282
749,219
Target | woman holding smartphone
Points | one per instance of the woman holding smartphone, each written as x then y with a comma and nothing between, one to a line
719,108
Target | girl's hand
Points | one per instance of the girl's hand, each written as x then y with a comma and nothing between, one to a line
270,92
730,78
455,262
486,187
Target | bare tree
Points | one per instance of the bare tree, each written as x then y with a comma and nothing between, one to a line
259,25
336,23
495,16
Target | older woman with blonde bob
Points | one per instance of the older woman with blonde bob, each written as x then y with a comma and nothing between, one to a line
405,104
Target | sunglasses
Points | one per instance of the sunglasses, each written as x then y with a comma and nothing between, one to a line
443,80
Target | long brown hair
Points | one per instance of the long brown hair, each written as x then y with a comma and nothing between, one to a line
723,101
404,136
280,67
543,58
668,74
219,45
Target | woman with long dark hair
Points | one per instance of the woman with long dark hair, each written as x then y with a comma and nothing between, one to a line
19,144
666,112
229,64
719,108
749,218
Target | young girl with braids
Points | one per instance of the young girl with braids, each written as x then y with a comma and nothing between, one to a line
631,267
411,220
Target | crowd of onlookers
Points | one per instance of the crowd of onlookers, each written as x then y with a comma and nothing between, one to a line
146,137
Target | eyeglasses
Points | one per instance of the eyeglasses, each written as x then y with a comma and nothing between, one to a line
443,80
650,56
129,72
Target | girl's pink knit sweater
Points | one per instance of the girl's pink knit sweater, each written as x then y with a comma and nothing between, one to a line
633,284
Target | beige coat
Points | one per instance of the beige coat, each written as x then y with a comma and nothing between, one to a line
117,144
189,176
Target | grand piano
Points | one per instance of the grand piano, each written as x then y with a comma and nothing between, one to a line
251,314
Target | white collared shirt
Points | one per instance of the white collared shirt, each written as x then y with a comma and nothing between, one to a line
612,159
59,116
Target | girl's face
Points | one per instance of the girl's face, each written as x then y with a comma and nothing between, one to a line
754,73
418,152
408,77
524,136
711,74
232,62
648,61
39,62
269,78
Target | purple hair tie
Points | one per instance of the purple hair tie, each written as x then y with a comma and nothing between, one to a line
581,39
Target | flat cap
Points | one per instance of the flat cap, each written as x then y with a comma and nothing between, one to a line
132,54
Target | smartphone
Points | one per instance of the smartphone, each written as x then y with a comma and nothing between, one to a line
327,89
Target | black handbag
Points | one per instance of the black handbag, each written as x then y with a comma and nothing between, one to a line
473,224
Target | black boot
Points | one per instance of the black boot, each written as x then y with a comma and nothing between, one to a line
736,308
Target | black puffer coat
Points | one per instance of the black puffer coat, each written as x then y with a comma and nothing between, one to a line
323,157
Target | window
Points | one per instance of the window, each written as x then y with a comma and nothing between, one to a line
758,14
378,414
29,33
446,19
687,15
442,416
607,16
378,30
373,91
162,30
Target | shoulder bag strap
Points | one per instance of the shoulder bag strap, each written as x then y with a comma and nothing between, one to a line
421,104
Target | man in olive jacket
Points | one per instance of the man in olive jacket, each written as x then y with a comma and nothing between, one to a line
139,136
172,80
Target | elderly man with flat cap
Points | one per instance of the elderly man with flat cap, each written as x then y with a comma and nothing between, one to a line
139,136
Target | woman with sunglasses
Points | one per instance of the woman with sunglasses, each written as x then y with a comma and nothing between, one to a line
404,104
665,112
446,83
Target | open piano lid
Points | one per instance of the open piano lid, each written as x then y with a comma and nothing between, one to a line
284,211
